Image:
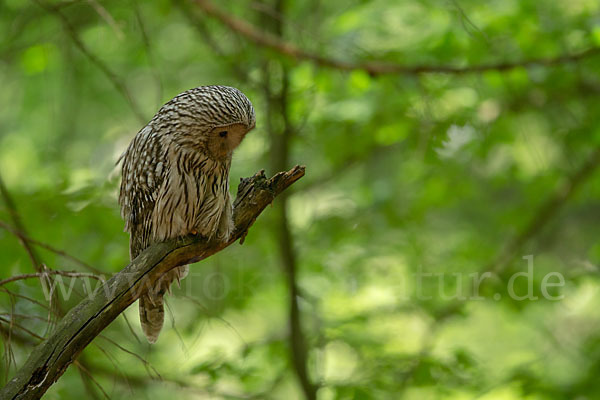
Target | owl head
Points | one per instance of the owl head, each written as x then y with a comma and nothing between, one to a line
210,119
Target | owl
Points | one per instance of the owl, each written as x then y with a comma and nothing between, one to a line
175,179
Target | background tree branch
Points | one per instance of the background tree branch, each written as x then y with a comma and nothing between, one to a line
86,320
277,101
373,68
116,81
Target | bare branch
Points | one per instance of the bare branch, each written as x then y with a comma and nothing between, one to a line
373,68
86,320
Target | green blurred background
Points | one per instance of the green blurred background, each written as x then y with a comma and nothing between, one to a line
416,182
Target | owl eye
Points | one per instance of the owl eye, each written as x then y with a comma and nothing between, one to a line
223,133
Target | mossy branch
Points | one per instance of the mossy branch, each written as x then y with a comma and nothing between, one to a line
85,321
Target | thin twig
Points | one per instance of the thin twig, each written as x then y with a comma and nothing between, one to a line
114,363
24,237
16,219
17,337
23,316
8,343
69,274
55,309
143,381
142,359
149,51
82,368
174,327
10,322
105,15
223,320
215,45
465,18
34,301
373,68
131,328
36,261
117,82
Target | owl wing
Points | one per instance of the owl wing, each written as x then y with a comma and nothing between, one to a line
143,173
143,185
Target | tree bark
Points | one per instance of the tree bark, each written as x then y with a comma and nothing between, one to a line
85,321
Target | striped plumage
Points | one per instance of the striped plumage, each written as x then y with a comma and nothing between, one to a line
175,179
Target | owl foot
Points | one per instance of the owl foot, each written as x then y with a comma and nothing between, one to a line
193,232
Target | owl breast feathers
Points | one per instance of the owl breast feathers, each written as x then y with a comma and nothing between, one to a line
175,179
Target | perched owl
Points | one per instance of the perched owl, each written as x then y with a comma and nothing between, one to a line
175,179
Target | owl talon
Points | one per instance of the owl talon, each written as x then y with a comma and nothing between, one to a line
194,232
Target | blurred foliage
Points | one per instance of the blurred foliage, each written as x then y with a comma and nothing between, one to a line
414,183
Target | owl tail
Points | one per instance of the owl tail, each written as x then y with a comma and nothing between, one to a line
152,311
